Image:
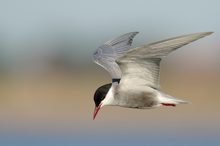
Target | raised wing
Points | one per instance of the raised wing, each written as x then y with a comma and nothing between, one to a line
106,54
140,72
140,66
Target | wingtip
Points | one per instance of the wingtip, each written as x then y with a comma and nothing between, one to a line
208,33
133,33
203,34
199,35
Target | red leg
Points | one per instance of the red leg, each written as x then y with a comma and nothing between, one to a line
168,104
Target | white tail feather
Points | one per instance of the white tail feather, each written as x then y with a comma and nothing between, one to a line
164,98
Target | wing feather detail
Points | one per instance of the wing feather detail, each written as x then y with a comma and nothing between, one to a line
140,66
107,54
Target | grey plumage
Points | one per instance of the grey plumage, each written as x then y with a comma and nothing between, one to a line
107,53
143,62
138,69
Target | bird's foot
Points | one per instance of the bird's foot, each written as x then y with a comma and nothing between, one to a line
168,104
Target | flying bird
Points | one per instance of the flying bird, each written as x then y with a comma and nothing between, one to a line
135,72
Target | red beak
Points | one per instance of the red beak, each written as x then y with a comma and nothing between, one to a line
96,111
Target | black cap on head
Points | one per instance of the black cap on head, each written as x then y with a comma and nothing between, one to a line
100,93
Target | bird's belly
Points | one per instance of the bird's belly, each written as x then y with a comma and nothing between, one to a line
133,99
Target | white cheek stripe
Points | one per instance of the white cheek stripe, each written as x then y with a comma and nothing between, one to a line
109,99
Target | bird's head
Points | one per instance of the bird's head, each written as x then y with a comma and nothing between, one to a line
99,96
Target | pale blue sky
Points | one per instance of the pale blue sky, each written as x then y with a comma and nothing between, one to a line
84,25
23,18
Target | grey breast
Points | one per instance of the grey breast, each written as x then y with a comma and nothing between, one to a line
134,98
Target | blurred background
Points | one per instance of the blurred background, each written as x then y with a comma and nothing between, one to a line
48,78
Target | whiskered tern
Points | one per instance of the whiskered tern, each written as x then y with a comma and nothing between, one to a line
135,72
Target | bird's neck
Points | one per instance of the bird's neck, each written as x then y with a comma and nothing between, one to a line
109,99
